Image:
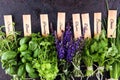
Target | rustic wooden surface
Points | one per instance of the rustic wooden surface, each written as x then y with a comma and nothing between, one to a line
34,7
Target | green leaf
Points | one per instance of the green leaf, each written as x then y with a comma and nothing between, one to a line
29,68
33,75
36,53
11,70
8,55
28,57
43,43
112,51
21,70
93,47
23,47
33,45
24,40
24,53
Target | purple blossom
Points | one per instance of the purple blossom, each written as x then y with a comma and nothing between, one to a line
67,35
67,46
60,50
70,52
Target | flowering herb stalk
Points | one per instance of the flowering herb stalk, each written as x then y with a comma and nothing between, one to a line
77,58
67,47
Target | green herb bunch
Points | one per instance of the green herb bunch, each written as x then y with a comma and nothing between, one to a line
28,57
38,56
112,62
46,60
87,57
8,51
98,50
94,51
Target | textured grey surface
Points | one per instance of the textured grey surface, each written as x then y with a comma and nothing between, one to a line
3,76
35,7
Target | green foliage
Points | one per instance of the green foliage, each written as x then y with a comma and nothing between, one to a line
46,59
112,62
34,56
94,51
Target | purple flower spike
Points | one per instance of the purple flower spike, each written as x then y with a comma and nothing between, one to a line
67,46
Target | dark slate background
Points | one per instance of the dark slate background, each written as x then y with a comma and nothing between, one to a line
17,8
